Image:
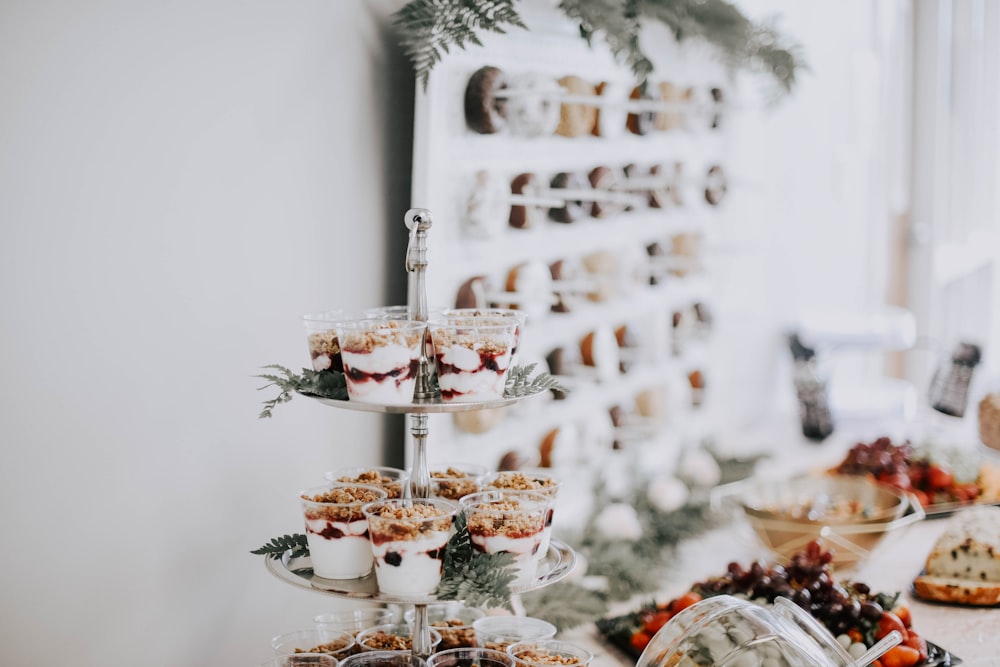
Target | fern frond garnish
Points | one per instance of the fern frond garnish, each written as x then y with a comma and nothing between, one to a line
325,384
520,383
429,28
279,545
480,579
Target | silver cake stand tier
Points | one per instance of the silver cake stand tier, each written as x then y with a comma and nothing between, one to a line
556,565
422,406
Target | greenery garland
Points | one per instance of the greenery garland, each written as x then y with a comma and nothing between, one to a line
428,29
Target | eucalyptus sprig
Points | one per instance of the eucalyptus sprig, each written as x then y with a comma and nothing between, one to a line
279,545
480,579
325,384
520,383
429,28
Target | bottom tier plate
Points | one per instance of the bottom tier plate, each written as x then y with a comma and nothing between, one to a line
557,563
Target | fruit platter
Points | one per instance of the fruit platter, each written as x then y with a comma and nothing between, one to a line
853,612
942,478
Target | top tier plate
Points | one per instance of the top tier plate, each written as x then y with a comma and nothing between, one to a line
426,406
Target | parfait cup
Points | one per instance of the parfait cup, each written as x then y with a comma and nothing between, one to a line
381,359
453,621
529,480
338,644
383,659
353,620
500,632
472,356
321,336
392,480
508,521
336,529
408,542
470,657
392,638
548,652
453,481
518,316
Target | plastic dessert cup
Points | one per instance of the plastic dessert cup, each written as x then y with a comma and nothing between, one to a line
338,644
383,659
301,660
381,359
472,356
470,657
518,316
408,541
499,632
336,529
453,621
353,620
529,480
453,481
391,480
508,521
392,638
546,652
321,336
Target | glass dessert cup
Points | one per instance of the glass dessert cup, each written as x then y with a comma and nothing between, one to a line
499,632
453,621
547,652
381,359
392,638
391,480
509,521
408,541
472,356
336,529
338,644
453,481
538,481
727,632
470,657
518,316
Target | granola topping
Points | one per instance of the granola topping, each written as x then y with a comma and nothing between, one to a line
375,478
521,482
505,517
543,657
343,504
388,333
329,647
455,634
494,346
380,640
453,484
323,343
392,523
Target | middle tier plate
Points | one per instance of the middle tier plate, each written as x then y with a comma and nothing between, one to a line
425,406
557,563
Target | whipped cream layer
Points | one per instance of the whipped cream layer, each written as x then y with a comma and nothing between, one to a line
339,550
526,552
470,374
387,374
410,567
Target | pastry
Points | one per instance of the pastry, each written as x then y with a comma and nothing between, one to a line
636,183
536,114
612,115
641,121
559,446
963,567
715,185
486,113
989,421
572,210
566,276
603,266
473,293
671,118
486,207
604,178
652,403
599,350
575,119
526,216
514,460
478,421
660,187
532,281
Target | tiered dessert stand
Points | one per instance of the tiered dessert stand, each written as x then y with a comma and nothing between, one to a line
554,566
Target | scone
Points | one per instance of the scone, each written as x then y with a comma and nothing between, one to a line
963,567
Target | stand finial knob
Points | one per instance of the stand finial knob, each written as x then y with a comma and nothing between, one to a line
419,218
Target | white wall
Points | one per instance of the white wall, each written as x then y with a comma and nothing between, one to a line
179,182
